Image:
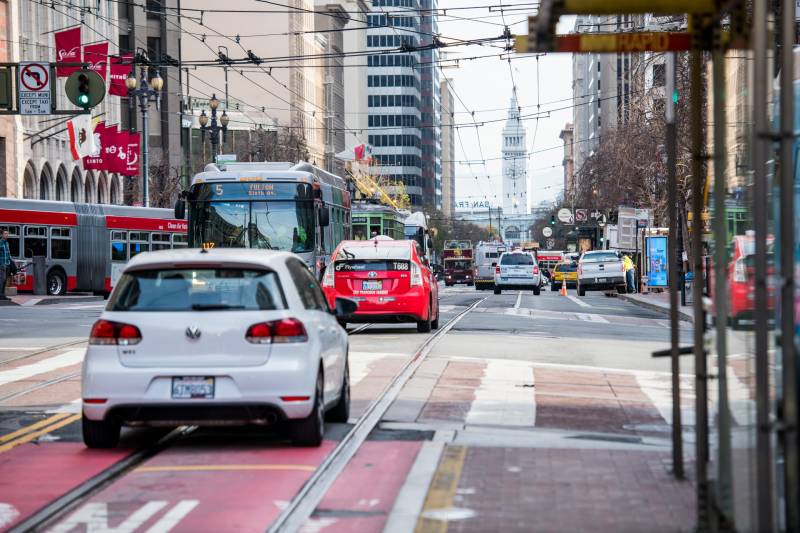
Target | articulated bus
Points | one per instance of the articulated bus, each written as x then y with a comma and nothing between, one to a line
85,246
374,219
272,206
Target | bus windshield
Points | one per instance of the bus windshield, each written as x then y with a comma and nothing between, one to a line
279,225
271,216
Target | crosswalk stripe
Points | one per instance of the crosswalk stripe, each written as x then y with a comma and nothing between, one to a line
505,395
72,357
590,317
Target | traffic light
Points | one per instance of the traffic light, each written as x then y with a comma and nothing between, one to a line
85,88
552,220
83,97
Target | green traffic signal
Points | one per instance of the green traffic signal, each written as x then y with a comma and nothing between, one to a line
85,88
675,96
552,220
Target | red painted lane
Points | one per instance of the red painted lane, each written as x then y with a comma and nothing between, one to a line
235,488
364,494
33,475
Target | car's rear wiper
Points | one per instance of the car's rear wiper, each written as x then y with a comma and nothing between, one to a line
214,307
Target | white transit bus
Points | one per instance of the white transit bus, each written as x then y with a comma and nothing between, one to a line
84,246
273,206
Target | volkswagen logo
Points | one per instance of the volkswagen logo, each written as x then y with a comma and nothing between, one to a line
372,274
193,333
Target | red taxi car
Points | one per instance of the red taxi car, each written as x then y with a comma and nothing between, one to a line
390,280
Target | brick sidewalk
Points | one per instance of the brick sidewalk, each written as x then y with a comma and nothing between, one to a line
559,490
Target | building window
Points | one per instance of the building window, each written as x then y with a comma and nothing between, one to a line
659,75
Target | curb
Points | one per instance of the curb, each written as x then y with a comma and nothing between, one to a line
63,300
682,315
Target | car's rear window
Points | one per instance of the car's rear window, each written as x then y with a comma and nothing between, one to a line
566,268
355,265
516,259
198,289
385,251
599,257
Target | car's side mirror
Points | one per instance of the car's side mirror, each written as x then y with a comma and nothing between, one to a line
430,243
344,307
180,209
324,217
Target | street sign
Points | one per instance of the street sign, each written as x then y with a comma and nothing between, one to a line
547,231
34,89
641,223
550,243
581,215
565,215
599,218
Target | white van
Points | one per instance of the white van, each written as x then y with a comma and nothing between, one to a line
487,254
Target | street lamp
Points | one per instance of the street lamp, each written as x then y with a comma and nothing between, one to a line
145,92
214,128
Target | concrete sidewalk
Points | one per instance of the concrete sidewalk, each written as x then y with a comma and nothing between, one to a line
659,302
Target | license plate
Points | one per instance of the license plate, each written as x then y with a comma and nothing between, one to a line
602,280
371,285
192,388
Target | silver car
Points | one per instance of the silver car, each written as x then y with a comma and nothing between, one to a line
517,270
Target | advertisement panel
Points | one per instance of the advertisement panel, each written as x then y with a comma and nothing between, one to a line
658,266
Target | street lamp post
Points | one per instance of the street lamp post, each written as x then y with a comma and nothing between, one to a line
214,128
145,92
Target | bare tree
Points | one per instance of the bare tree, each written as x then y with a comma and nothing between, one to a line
164,184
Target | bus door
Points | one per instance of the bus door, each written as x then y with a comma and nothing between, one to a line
119,256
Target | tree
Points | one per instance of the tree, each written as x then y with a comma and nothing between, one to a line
282,144
163,187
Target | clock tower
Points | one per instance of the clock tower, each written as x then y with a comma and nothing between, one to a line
515,163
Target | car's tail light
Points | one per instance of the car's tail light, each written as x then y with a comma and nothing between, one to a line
416,275
106,332
328,280
580,270
739,271
497,270
536,271
281,331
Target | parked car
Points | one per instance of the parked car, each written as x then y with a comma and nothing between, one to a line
600,270
391,281
517,270
218,337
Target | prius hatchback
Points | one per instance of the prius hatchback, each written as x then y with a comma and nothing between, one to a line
216,337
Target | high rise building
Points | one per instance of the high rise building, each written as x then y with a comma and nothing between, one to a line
448,150
394,98
354,37
515,162
430,105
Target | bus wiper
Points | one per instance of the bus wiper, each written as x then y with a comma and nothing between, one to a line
350,255
214,307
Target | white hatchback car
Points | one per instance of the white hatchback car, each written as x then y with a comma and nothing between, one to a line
218,337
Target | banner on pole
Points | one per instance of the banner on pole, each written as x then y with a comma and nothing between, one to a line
68,50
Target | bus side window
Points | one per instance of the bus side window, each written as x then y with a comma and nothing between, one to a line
60,243
179,240
138,242
118,251
13,239
35,243
160,241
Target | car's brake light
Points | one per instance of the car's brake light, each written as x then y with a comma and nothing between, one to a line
497,270
739,271
535,270
580,270
328,279
106,332
416,275
281,331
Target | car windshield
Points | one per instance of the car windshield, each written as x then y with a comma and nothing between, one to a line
600,257
198,289
516,259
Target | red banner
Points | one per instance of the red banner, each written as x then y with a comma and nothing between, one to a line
134,146
68,50
97,57
119,73
120,162
96,162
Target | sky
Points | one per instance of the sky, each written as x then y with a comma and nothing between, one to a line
485,86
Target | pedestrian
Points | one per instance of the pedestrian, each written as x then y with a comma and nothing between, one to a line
630,269
5,264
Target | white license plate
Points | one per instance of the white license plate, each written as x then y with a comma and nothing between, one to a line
192,388
602,280
371,285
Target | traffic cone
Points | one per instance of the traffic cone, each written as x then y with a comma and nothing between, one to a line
563,291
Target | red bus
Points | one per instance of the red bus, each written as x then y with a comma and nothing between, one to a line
85,246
